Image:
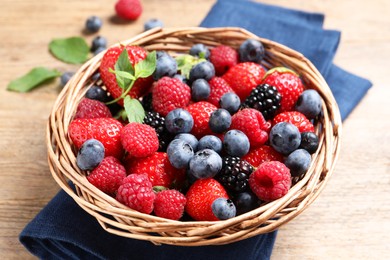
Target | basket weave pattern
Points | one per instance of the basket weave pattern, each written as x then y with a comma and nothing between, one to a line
120,220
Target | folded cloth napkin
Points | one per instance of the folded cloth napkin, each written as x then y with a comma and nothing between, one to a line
62,230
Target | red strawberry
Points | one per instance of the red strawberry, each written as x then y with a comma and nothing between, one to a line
108,175
128,9
169,204
89,108
252,123
270,181
296,118
136,192
169,94
105,130
262,154
158,168
136,54
200,197
200,112
288,84
139,140
244,77
223,58
218,87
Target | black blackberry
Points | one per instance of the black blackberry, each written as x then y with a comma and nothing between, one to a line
157,121
235,174
264,98
147,102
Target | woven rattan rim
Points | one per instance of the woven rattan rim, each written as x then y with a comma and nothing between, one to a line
120,220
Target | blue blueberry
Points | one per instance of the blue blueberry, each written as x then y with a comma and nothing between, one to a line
202,70
97,93
189,138
206,163
309,142
179,153
223,208
236,143
96,76
90,155
65,77
200,90
245,202
298,162
181,77
200,50
179,121
98,42
231,102
166,66
309,103
220,120
251,50
210,142
153,23
99,50
285,137
93,24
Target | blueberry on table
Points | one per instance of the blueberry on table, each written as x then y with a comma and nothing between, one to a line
210,142
98,42
285,137
309,142
236,143
309,103
251,50
189,138
231,102
223,208
179,121
220,120
93,24
179,153
200,90
90,155
65,77
205,164
298,162
200,50
202,70
153,23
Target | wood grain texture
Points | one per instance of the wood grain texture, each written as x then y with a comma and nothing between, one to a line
350,219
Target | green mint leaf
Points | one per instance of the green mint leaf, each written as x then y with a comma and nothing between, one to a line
186,62
32,79
124,70
146,67
134,110
70,50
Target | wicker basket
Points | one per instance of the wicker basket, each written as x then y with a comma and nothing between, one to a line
120,220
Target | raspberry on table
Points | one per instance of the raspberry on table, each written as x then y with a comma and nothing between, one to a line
139,140
136,192
129,9
89,108
218,88
169,204
270,181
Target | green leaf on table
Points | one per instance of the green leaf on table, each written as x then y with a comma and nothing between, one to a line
186,62
32,79
134,110
146,67
73,50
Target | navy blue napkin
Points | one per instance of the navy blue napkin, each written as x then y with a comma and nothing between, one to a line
62,230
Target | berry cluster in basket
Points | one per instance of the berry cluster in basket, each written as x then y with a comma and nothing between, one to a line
206,135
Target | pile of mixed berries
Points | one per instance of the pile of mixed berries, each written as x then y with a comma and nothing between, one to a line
202,136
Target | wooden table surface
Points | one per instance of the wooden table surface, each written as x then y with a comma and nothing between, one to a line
351,218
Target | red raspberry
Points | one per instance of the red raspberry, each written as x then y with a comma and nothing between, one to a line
89,108
223,58
136,54
105,130
244,77
108,175
128,9
200,112
137,193
158,168
169,204
218,87
262,154
296,118
139,140
270,181
252,123
288,84
201,196
169,94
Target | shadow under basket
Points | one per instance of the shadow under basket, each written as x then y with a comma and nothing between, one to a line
123,221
